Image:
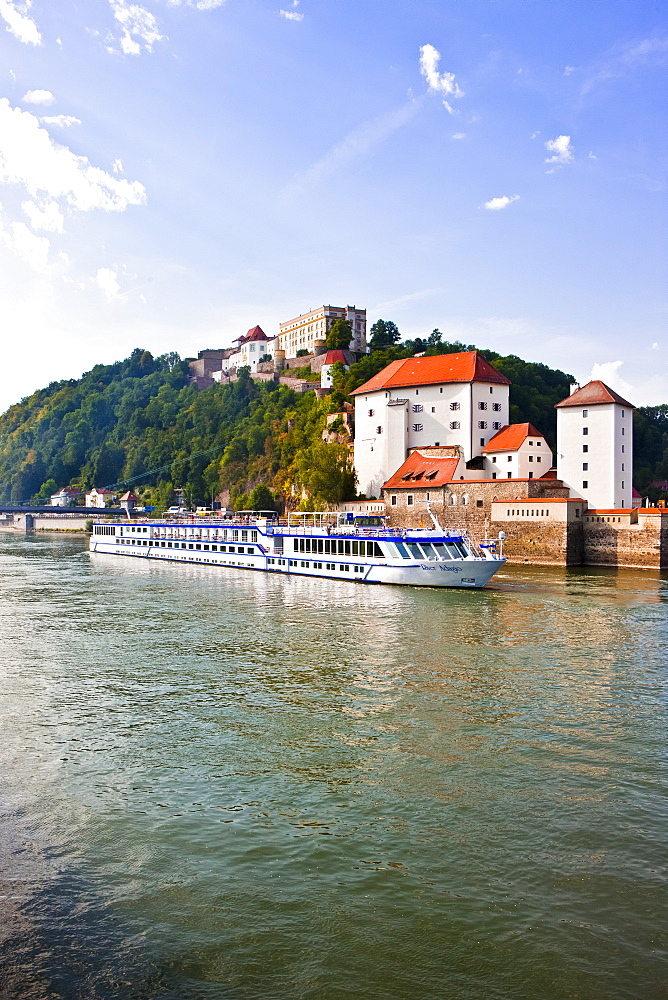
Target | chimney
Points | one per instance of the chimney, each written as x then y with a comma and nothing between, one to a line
574,387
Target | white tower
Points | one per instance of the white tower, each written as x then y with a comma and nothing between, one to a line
595,446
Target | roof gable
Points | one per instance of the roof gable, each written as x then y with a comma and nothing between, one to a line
511,437
421,470
592,393
468,366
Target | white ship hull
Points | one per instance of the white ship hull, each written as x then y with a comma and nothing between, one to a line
354,555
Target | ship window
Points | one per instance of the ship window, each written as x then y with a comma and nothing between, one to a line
235,535
355,550
223,548
401,548
307,545
340,546
346,548
214,548
296,543
206,548
415,550
249,550
244,536
253,536
377,551
327,546
441,550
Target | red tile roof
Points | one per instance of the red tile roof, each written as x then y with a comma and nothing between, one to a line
510,437
592,393
419,470
442,368
333,356
255,333
129,496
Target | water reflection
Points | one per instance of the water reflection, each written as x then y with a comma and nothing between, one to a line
265,787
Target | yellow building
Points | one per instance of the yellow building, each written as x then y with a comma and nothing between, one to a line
300,334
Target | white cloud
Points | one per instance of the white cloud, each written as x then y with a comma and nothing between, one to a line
46,216
291,15
459,135
140,27
198,4
534,135
117,167
34,250
106,279
568,70
438,83
655,345
15,15
561,149
29,157
496,204
38,97
592,156
61,121
608,372
354,146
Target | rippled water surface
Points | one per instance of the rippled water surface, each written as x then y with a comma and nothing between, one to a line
220,784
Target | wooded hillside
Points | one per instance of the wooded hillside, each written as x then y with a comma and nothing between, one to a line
120,421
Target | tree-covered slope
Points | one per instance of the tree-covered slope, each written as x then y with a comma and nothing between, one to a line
119,422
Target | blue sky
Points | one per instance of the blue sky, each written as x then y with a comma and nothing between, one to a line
173,172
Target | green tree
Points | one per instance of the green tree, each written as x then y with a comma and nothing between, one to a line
261,498
339,336
384,333
325,470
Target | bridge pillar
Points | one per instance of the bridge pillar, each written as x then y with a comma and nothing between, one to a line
30,523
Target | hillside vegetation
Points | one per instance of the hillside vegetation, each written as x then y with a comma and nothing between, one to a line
120,421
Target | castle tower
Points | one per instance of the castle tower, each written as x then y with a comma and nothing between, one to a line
595,446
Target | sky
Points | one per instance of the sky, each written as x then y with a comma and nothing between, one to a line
173,172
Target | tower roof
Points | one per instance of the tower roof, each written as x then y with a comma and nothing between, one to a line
468,366
592,393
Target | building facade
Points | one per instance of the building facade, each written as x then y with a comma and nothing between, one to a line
447,400
253,346
595,445
518,451
302,332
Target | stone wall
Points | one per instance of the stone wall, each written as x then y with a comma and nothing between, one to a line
643,545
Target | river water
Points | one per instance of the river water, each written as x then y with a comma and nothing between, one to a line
220,784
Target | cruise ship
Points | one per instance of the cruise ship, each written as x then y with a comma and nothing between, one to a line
358,548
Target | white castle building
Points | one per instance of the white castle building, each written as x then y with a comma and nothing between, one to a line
303,332
595,446
453,409
450,400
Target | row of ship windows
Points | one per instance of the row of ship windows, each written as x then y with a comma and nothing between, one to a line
339,546
250,549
